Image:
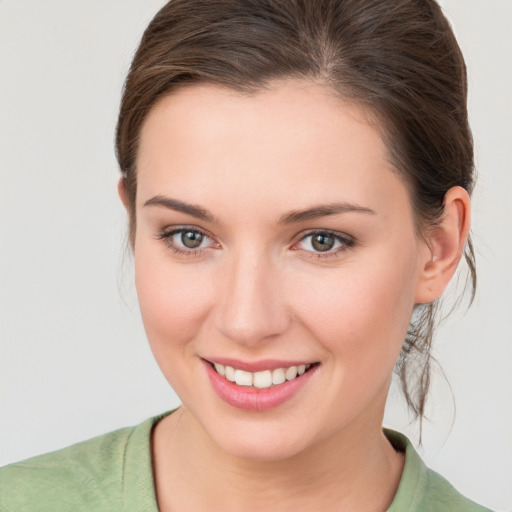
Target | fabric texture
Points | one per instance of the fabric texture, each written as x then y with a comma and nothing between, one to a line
113,473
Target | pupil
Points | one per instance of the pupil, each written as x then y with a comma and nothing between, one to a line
191,239
323,242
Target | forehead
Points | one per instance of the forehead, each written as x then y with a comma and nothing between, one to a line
294,140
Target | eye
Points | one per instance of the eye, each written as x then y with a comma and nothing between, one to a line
325,243
189,239
186,240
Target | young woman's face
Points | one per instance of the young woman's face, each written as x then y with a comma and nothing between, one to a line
272,234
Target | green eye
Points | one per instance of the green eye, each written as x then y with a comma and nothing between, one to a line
187,240
190,239
323,242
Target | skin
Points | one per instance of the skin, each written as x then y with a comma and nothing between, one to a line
257,289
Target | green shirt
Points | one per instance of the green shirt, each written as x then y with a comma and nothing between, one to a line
113,473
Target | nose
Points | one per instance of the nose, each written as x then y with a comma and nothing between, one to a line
251,309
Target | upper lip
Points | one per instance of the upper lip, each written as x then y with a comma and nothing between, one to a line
256,366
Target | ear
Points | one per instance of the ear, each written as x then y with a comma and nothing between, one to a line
445,243
123,193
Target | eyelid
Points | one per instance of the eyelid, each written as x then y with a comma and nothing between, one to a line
346,241
168,232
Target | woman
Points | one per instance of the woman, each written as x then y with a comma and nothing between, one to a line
297,178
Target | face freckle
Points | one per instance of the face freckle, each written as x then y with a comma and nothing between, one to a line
270,172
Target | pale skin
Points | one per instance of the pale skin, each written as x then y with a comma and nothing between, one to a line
257,288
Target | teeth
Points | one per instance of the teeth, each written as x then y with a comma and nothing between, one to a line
291,373
243,378
278,376
263,379
221,369
230,373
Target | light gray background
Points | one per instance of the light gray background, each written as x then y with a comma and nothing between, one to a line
74,362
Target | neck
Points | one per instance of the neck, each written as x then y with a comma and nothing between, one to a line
355,469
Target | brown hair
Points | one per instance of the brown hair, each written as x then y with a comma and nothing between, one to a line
397,58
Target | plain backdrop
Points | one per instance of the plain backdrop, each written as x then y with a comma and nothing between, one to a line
74,361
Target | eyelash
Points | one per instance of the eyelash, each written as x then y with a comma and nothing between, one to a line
166,237
345,242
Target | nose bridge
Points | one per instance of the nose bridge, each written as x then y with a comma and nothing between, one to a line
251,308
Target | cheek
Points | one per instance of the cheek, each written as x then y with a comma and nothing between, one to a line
173,300
359,312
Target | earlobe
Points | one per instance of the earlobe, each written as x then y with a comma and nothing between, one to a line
123,192
445,244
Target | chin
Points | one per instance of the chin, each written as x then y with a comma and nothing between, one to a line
265,449
264,439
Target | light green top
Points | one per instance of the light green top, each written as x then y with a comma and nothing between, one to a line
113,473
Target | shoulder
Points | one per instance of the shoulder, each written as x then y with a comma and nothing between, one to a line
79,475
422,489
441,495
86,476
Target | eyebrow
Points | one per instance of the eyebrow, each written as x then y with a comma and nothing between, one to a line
292,217
179,206
323,210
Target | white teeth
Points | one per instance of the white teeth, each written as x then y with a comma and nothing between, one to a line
221,370
243,378
291,373
230,373
262,379
278,376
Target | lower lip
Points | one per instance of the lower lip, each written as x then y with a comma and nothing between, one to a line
253,399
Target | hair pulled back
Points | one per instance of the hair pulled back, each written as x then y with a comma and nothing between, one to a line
398,59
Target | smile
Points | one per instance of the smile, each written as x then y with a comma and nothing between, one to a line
262,379
269,385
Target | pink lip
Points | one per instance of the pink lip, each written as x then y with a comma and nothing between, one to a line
256,366
252,399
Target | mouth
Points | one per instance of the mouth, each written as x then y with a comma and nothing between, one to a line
273,384
261,379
